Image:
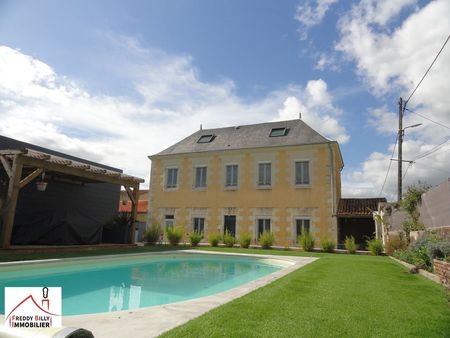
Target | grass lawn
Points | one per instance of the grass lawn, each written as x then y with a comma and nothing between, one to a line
336,296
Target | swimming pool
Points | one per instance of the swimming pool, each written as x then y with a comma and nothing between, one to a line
120,283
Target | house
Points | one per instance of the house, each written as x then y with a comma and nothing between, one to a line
282,177
125,204
47,197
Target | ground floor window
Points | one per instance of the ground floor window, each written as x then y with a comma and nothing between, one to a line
169,221
263,225
302,226
199,225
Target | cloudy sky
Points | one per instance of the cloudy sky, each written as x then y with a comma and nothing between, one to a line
115,81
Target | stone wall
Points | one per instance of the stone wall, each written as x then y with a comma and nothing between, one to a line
442,269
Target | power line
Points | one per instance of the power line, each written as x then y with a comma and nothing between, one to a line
427,118
424,75
431,151
409,165
389,168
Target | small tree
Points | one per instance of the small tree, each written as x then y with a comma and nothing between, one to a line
411,199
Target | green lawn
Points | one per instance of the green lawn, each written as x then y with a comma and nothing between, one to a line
336,296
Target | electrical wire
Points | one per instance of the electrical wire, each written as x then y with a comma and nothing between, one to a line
431,151
424,75
389,168
427,118
406,171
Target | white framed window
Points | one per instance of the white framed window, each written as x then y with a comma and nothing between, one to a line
265,174
171,177
198,225
231,175
302,173
263,224
302,225
169,221
200,177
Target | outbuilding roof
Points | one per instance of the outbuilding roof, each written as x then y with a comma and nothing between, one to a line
270,134
349,207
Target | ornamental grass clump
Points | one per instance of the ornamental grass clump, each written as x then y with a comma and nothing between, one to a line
195,238
228,239
328,245
214,239
306,241
245,239
153,234
350,245
375,246
174,234
266,239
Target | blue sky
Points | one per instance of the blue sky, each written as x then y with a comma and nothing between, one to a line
102,77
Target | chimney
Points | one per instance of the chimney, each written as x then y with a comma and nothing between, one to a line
201,127
300,116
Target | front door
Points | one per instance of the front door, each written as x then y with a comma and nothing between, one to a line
230,224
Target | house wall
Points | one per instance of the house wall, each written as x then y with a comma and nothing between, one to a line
434,209
283,202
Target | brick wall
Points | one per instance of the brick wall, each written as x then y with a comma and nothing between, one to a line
442,269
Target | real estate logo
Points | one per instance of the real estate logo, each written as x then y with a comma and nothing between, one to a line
38,307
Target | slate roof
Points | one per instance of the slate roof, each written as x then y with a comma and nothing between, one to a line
349,207
248,136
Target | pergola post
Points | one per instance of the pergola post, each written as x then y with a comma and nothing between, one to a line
9,209
134,205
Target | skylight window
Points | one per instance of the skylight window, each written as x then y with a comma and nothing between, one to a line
205,138
276,132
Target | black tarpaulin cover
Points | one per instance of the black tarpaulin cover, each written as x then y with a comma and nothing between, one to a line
57,227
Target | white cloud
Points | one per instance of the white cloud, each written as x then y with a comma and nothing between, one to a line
39,106
393,60
311,13
317,110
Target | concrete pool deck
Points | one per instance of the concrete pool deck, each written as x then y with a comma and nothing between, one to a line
155,320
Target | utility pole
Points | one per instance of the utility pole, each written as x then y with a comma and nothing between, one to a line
400,142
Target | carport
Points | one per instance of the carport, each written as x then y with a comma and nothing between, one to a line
355,219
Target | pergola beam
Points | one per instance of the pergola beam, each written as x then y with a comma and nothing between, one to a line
30,177
6,165
74,171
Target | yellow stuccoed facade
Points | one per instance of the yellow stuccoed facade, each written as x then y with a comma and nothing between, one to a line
283,202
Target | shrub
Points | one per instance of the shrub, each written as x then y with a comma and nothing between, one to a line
195,238
306,241
245,239
395,243
174,234
214,239
228,239
266,239
328,245
375,246
153,234
415,256
350,245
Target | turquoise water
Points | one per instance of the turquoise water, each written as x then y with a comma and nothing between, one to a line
107,285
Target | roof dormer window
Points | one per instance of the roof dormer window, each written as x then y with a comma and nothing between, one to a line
276,132
205,139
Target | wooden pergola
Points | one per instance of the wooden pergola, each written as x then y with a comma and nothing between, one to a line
24,165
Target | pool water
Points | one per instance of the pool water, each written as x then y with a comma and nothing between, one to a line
115,284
